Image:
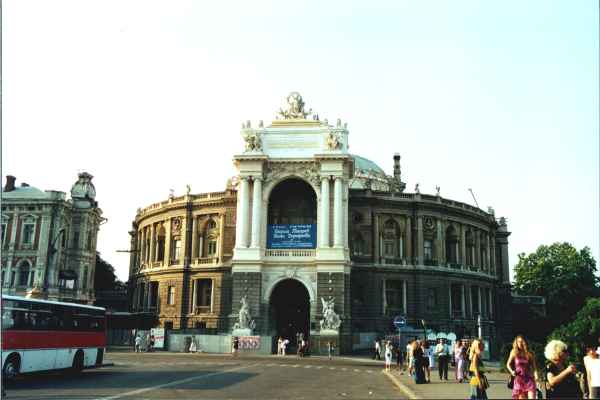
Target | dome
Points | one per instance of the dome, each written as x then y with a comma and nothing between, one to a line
25,192
367,174
83,188
365,166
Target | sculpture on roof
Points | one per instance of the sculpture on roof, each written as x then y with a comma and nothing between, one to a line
332,141
295,109
253,142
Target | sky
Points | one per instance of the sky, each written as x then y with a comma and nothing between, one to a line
148,96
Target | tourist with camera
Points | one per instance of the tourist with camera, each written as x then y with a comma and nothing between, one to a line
561,377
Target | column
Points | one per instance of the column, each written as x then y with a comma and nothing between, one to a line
462,300
338,235
419,240
450,300
481,308
409,251
168,241
490,303
493,255
405,297
152,243
488,254
477,256
256,211
324,212
242,219
194,237
439,244
471,301
463,245
221,241
377,239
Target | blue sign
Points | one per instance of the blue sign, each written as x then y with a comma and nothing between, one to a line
399,322
292,236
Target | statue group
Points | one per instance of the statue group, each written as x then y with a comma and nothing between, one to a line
330,321
245,321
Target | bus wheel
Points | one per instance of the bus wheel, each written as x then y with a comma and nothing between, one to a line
11,367
77,362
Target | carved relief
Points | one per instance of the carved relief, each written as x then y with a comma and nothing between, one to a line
428,223
332,141
253,142
176,226
309,172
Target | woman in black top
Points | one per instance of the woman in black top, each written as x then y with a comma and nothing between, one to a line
562,380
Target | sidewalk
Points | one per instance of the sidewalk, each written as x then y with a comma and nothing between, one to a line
449,389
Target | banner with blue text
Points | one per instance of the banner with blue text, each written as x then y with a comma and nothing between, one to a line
293,236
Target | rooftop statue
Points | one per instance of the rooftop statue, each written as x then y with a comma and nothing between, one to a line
295,109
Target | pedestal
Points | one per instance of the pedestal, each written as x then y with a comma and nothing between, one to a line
319,340
242,332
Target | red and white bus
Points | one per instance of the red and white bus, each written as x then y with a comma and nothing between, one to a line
41,335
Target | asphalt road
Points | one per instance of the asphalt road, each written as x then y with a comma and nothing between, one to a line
199,376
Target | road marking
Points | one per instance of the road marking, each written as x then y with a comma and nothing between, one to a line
164,385
357,370
271,365
344,369
319,367
331,367
369,371
308,366
295,365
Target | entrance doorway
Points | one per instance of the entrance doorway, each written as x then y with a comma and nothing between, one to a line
290,311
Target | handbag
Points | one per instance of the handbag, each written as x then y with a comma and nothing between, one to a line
484,382
511,382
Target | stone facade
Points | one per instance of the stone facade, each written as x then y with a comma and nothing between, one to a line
379,252
49,242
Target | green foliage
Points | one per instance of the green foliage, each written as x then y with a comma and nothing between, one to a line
560,273
104,276
536,348
583,330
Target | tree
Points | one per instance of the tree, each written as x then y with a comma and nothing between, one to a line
104,276
564,276
583,330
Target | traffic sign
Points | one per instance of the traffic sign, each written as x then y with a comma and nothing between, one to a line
399,321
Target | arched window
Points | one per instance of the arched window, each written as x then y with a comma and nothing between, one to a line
208,240
25,276
392,245
292,201
451,245
160,243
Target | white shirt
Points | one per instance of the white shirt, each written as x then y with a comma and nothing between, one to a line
377,345
441,349
592,365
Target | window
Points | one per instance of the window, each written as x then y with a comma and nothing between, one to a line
28,233
388,249
88,244
171,296
2,278
428,249
24,275
451,245
212,247
63,240
3,233
176,249
203,295
160,244
358,245
75,240
456,299
394,297
212,224
470,248
432,301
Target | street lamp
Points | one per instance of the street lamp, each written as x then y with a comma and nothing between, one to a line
424,329
479,327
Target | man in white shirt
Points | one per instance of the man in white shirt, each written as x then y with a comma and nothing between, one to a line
443,354
377,350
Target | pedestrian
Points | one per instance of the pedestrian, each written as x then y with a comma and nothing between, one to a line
235,346
461,363
441,351
561,378
377,355
523,369
138,344
427,361
330,349
279,346
399,360
419,371
592,369
301,348
479,383
388,356
151,344
193,345
284,345
409,357
455,356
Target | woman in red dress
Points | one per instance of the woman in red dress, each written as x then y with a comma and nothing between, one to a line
521,365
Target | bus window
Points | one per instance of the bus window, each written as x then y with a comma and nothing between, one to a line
8,321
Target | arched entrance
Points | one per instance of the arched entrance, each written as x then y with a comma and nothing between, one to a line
290,310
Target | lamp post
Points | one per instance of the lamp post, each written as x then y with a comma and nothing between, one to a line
424,329
479,328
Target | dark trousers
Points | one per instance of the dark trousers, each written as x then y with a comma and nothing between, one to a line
377,355
443,367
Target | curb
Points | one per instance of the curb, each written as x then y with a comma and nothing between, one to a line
110,364
403,388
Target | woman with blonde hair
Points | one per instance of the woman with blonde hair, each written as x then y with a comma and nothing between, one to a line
562,382
479,382
525,372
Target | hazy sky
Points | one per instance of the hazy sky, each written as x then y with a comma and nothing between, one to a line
497,96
